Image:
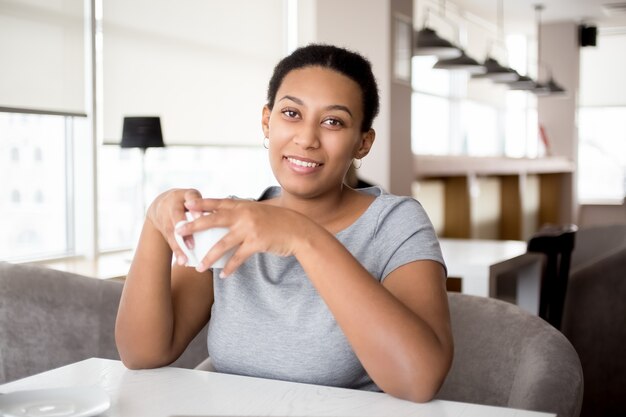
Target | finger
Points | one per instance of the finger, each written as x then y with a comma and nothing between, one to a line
239,257
219,249
179,255
188,240
207,221
210,204
192,194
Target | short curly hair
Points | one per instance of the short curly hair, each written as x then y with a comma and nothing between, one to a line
349,63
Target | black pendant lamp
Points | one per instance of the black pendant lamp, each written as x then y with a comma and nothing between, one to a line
548,89
522,83
496,72
461,63
428,43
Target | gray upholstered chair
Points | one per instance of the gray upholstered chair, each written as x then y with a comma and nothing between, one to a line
594,317
50,318
596,242
505,356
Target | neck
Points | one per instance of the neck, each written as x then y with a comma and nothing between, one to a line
324,209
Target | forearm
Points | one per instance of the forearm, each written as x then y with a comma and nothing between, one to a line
399,350
144,326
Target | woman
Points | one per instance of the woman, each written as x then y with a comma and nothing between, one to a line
327,285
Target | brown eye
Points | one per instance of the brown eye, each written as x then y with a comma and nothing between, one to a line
289,113
331,121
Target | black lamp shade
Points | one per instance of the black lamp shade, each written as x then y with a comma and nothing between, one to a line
496,72
142,132
461,63
427,42
550,88
523,83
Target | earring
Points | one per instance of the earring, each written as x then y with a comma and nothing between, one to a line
266,143
357,162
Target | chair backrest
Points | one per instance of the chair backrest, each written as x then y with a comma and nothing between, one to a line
594,320
505,356
50,318
596,242
557,243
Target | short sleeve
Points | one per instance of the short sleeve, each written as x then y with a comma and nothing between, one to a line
404,234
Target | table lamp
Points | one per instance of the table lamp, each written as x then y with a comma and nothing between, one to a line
143,133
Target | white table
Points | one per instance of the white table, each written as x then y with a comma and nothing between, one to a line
478,262
185,392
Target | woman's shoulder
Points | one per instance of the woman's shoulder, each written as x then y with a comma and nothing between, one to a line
387,202
391,212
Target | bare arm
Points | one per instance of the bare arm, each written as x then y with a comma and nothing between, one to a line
400,331
162,307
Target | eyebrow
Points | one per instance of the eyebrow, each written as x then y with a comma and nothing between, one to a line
331,107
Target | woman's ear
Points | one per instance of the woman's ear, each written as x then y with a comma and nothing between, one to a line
265,121
367,140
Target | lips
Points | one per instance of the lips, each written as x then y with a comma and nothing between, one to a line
301,162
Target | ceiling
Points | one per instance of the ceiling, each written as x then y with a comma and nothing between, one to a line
520,15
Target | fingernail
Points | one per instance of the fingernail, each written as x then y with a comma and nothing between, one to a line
222,274
181,260
190,203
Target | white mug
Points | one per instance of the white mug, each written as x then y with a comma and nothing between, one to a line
203,242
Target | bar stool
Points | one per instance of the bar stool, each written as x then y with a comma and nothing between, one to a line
557,243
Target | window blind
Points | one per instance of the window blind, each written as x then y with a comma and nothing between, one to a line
41,45
202,66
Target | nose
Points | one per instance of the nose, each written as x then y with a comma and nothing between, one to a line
307,136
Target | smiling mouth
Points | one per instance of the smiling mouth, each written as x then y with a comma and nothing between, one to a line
300,163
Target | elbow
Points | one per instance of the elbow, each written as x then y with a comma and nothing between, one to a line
418,390
420,394
131,364
421,383
134,356
136,362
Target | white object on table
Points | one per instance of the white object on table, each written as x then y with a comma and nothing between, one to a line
186,392
55,402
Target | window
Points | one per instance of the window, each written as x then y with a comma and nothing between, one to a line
601,115
35,195
216,171
430,124
455,115
47,182
602,153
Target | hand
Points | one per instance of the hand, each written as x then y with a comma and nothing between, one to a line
253,227
168,209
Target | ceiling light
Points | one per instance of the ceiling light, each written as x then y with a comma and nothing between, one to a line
522,83
427,42
549,88
496,72
461,63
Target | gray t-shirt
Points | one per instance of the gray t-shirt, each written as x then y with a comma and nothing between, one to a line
268,320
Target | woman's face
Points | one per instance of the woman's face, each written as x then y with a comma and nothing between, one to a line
314,130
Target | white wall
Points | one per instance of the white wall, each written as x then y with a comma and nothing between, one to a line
389,164
559,52
371,38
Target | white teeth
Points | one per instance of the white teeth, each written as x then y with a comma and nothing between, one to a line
302,163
